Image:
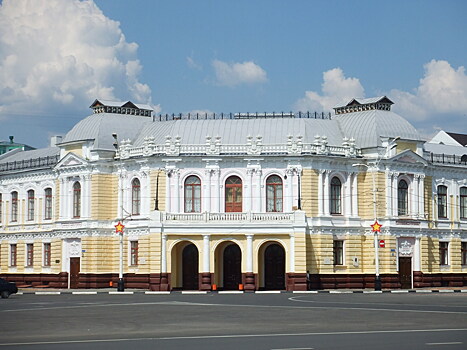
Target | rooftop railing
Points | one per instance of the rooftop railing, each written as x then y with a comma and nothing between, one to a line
40,162
451,159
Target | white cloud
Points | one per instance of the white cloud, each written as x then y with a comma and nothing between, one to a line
63,54
190,61
232,74
336,90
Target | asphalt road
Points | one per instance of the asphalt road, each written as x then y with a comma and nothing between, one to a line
247,321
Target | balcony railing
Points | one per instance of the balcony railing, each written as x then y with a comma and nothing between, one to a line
229,217
448,159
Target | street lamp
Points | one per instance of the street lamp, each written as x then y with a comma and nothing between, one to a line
119,227
373,167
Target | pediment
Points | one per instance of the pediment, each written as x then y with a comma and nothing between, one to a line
409,156
71,160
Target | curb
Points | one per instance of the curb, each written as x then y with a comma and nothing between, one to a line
143,292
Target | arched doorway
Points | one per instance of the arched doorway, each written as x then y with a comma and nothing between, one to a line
274,267
233,194
190,267
232,267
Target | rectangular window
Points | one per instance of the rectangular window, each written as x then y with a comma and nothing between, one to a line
443,253
463,202
14,206
464,253
29,254
13,252
47,254
31,205
338,250
134,253
48,204
442,202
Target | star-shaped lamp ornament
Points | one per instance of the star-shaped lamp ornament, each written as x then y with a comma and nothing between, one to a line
376,227
119,228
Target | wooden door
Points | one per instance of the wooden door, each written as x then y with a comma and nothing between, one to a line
274,267
190,267
74,272
232,267
405,272
233,194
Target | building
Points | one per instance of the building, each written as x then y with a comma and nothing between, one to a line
6,146
249,201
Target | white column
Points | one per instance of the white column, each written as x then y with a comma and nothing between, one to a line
206,255
248,200
326,189
249,253
292,253
145,193
258,200
168,191
389,200
217,197
421,197
164,254
415,194
394,194
416,255
320,193
355,195
348,196
207,194
176,187
64,199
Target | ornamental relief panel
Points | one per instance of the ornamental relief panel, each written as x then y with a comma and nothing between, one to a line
405,246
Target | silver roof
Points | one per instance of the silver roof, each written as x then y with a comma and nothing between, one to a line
33,154
445,149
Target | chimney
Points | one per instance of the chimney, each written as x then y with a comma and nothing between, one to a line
11,139
55,139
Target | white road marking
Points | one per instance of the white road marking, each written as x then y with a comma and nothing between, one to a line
157,292
294,349
451,343
268,292
84,293
121,293
231,292
235,336
48,293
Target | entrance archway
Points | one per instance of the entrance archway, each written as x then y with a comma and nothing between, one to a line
274,267
232,267
190,270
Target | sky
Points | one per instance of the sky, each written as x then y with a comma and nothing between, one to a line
180,56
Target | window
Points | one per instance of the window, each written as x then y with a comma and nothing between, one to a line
29,254
443,253
135,197
336,188
338,250
463,203
48,204
76,200
442,202
233,194
14,206
30,205
274,194
192,195
13,252
134,253
402,198
47,254
464,253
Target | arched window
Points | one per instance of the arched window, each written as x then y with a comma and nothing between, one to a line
14,206
135,197
274,194
31,205
48,204
233,194
463,202
192,194
76,200
442,202
402,198
336,196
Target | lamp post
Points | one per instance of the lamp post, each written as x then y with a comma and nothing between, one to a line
119,227
376,227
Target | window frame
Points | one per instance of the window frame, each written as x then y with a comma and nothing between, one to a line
442,202
464,253
463,202
47,254
402,198
13,254
335,196
275,183
48,203
76,200
443,253
14,206
190,191
338,252
31,204
134,246
234,186
29,254
135,196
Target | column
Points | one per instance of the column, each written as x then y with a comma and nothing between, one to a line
421,196
389,194
292,253
258,200
206,274
288,202
207,195
249,275
320,193
355,194
326,193
168,191
348,196
216,199
415,195
145,193
164,284
64,199
416,263
248,199
395,178
176,192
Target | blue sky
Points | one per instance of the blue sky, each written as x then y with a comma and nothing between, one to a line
229,56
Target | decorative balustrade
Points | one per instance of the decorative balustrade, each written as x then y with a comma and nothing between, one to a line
229,217
40,162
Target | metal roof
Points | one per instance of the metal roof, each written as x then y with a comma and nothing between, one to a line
32,154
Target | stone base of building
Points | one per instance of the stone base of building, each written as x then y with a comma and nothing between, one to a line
43,280
424,280
352,281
